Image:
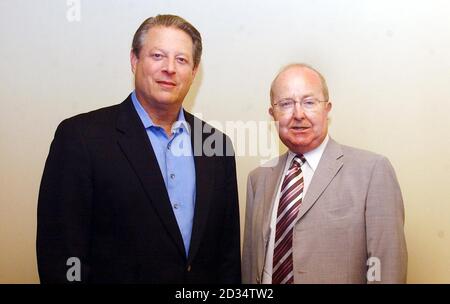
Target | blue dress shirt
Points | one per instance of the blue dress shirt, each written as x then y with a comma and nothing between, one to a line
176,162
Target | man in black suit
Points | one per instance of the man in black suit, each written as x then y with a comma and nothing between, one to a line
133,192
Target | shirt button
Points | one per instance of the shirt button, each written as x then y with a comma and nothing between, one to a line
176,206
189,268
172,176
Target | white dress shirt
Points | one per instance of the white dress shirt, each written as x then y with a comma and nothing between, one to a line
308,168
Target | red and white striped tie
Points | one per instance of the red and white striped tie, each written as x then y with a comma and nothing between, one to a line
291,196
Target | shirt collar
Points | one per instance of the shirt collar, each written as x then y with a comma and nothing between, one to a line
181,122
312,157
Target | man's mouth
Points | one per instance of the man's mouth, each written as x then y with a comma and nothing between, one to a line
299,128
166,83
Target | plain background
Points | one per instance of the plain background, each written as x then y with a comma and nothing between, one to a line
387,64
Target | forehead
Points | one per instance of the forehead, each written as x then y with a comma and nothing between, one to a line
168,39
297,82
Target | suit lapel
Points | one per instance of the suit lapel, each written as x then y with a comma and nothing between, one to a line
204,176
272,180
329,166
136,146
272,183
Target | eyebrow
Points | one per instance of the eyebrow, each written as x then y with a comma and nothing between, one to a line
294,97
165,52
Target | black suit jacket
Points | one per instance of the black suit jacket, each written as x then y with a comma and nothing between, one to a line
103,200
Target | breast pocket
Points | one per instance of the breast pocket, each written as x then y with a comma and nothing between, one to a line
339,212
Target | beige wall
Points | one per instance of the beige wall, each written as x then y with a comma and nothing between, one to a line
387,63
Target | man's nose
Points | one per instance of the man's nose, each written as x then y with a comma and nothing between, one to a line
298,113
169,66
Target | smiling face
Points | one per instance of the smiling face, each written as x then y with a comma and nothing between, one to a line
300,131
164,70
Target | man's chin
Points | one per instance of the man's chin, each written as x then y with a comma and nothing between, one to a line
169,98
168,101
295,146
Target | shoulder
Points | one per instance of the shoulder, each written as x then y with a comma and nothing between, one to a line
213,141
98,116
267,168
199,125
96,122
360,155
361,159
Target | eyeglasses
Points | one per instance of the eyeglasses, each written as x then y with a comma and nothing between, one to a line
309,104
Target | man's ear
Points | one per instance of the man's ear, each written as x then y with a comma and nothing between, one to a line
329,106
271,112
195,70
133,61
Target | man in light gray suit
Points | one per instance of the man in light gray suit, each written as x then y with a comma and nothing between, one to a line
323,212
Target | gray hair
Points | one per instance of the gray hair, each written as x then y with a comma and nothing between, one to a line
168,21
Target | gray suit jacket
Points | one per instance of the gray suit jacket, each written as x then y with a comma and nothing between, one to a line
352,211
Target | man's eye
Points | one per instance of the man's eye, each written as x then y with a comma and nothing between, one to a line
181,60
157,56
285,104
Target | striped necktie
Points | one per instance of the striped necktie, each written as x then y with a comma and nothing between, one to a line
290,199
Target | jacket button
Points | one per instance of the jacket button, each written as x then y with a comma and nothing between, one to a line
188,268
